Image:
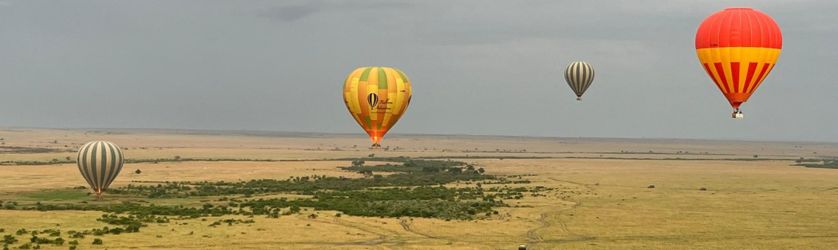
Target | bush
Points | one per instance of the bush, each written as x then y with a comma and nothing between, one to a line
9,239
97,241
412,188
75,235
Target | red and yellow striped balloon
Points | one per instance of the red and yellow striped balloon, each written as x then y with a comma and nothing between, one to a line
376,97
738,47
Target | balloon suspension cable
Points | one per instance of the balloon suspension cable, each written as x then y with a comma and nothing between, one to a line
99,195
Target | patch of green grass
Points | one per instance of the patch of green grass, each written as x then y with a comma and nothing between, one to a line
833,164
59,195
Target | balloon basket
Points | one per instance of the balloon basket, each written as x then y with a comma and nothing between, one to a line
737,114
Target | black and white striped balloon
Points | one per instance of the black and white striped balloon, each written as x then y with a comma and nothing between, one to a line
99,163
579,75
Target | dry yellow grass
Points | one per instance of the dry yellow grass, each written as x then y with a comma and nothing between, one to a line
596,203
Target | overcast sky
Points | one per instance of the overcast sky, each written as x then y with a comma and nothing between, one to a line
477,67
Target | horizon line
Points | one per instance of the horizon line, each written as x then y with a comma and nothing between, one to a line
252,132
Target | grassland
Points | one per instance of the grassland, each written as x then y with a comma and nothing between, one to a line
595,192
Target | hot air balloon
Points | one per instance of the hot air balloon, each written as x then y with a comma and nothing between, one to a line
579,75
376,97
738,47
99,163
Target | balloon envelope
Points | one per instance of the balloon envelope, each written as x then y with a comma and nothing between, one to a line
376,97
579,76
738,47
99,163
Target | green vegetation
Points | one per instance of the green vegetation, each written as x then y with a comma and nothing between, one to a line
9,239
28,150
45,237
408,173
413,188
410,187
60,195
230,222
430,202
818,163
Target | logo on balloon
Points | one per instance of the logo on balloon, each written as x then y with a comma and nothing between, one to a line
372,99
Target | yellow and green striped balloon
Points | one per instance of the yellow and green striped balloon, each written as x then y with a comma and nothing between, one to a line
99,163
377,97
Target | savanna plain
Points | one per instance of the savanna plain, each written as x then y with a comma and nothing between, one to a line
265,190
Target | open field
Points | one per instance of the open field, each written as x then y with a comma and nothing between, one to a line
707,194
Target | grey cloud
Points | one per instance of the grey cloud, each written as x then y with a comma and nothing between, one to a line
301,9
478,67
292,12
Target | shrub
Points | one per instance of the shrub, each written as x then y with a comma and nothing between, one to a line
9,239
